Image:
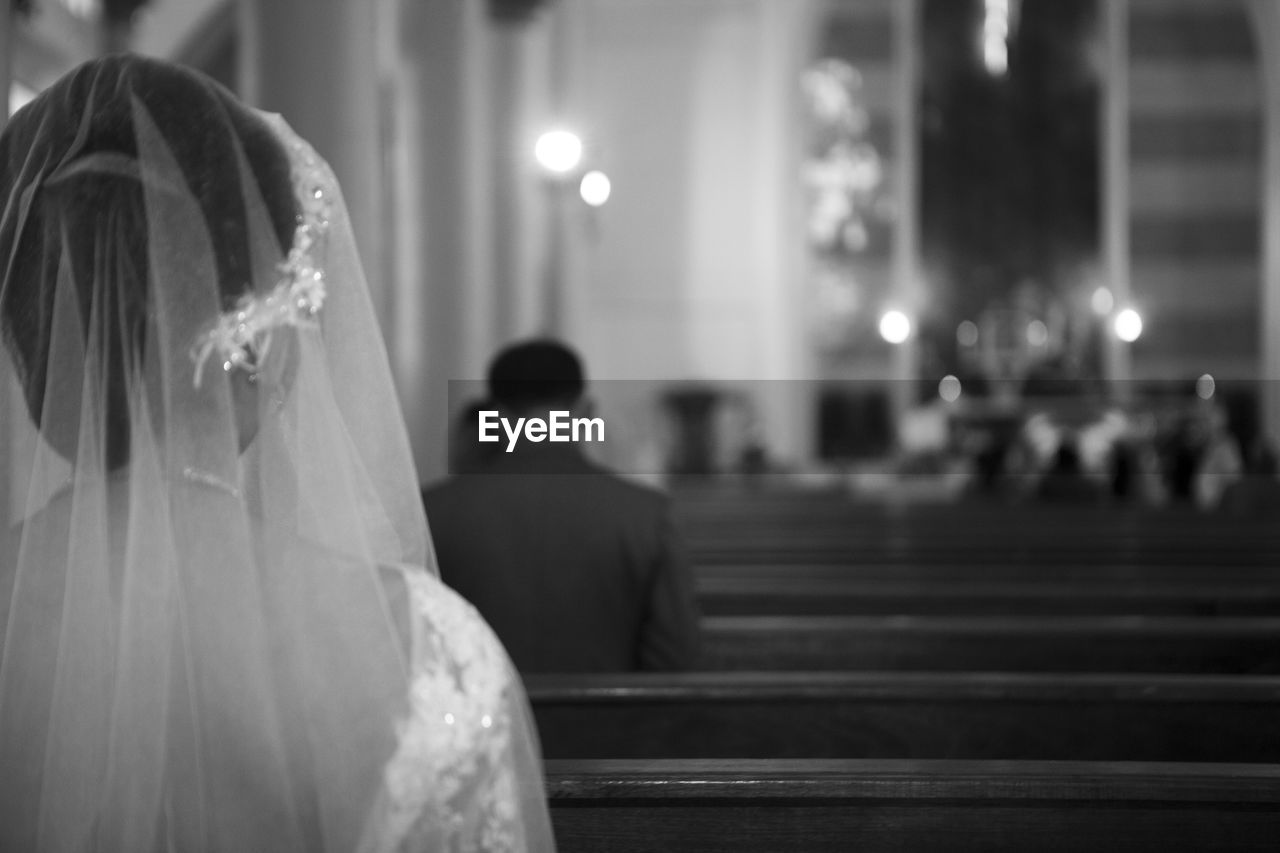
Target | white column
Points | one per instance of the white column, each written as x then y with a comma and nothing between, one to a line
1266,18
315,62
6,57
1115,187
524,212
517,50
906,181
441,161
785,34
562,285
9,396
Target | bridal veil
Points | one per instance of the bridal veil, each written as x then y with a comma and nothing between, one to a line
216,589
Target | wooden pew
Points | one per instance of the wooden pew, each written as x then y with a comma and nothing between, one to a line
831,510
986,535
1026,556
832,513
744,806
1079,571
993,643
908,715
725,595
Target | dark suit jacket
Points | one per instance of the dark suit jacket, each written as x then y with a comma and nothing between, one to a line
575,569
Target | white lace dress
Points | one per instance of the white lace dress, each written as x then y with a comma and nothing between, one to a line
453,783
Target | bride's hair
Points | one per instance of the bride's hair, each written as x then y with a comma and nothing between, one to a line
72,155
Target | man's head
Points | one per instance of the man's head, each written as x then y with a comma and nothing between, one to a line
537,374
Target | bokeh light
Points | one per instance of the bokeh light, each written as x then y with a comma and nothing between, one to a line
1037,333
995,36
1128,325
1102,301
558,151
995,54
1205,386
967,333
895,327
595,188
86,10
949,388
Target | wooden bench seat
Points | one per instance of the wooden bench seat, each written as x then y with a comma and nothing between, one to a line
908,715
983,535
993,643
743,806
996,529
1078,571
1027,556
804,596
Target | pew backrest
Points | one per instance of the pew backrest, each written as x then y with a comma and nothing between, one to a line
990,643
746,806
795,595
908,715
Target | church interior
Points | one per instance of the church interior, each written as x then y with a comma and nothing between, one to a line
950,327
850,225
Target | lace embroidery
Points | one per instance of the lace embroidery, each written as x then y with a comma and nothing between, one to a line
241,338
449,780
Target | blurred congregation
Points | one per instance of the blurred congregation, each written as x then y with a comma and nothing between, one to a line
936,348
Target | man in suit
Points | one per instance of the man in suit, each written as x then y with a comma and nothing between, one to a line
576,569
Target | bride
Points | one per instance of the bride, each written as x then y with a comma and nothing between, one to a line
221,624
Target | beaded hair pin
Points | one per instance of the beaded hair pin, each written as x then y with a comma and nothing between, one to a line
241,337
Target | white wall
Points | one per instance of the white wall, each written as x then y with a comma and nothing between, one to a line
693,269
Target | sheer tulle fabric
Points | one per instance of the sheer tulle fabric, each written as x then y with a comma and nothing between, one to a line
221,629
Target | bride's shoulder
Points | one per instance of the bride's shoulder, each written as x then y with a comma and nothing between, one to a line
448,626
451,776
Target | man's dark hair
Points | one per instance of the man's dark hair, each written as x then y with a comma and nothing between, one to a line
536,372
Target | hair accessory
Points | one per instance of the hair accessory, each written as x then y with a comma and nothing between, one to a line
241,337
195,475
